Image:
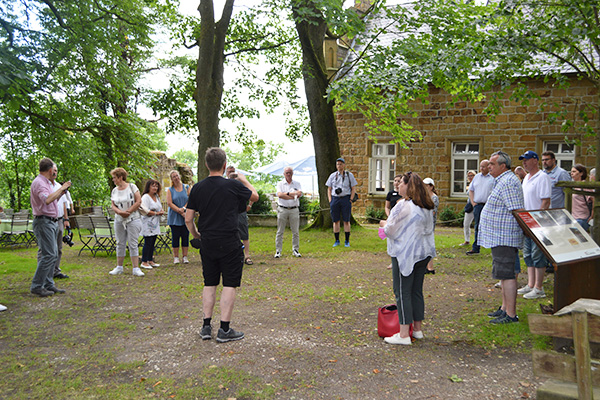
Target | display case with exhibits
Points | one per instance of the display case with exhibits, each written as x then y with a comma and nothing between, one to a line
558,234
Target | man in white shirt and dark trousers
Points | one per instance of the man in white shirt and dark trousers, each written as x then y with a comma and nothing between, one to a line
341,187
479,191
537,190
288,192
63,222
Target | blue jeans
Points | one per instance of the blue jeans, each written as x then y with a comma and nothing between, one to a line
584,224
45,234
476,215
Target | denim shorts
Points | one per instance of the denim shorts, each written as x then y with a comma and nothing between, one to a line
532,254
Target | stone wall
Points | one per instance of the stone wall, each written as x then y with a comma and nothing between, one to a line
518,128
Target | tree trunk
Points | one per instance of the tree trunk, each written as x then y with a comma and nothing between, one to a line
311,32
209,77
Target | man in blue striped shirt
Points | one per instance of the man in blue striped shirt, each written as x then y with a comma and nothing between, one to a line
500,231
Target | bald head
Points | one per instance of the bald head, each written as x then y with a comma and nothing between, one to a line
484,167
288,172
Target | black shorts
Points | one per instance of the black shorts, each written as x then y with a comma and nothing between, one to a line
222,258
503,262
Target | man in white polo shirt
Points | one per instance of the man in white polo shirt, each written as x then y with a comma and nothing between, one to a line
289,192
537,191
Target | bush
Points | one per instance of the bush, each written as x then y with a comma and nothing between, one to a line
309,208
373,213
262,206
451,217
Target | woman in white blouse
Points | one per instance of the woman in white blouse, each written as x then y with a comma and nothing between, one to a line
409,230
125,199
152,211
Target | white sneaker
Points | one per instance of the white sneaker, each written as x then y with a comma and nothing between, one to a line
116,271
277,254
535,294
524,290
2,308
146,266
296,253
176,260
498,284
396,339
418,335
154,265
137,272
185,260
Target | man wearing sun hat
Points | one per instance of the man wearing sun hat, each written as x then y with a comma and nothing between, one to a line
341,187
537,191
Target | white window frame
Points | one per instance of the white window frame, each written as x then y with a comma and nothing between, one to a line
470,161
564,153
382,167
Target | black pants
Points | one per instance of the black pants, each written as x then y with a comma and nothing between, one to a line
148,250
409,292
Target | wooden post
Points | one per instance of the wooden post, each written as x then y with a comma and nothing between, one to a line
582,355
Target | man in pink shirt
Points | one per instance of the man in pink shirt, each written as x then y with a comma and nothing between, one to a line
43,200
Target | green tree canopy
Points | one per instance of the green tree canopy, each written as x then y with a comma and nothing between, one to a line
70,77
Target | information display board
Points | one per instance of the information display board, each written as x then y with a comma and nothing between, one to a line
558,234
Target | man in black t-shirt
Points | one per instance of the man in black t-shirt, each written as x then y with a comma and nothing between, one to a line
218,202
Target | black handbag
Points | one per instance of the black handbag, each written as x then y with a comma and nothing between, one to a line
355,198
468,207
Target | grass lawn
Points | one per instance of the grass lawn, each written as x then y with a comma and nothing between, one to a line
127,337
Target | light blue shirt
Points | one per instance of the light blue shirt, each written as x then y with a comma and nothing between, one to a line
481,186
345,182
557,200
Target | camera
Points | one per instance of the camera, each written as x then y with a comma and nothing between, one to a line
68,237
338,190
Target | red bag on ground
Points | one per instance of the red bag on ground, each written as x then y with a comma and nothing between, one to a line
387,321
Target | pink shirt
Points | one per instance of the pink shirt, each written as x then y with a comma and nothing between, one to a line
41,188
579,207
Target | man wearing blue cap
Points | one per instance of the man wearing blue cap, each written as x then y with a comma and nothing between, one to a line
537,191
341,187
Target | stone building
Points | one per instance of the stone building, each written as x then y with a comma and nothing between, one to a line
457,137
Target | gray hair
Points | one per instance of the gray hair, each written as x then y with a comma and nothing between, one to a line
503,158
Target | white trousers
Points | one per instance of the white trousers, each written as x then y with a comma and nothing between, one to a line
284,216
467,225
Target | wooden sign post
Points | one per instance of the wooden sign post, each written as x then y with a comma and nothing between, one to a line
570,249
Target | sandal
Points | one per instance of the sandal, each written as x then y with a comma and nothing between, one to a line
248,261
